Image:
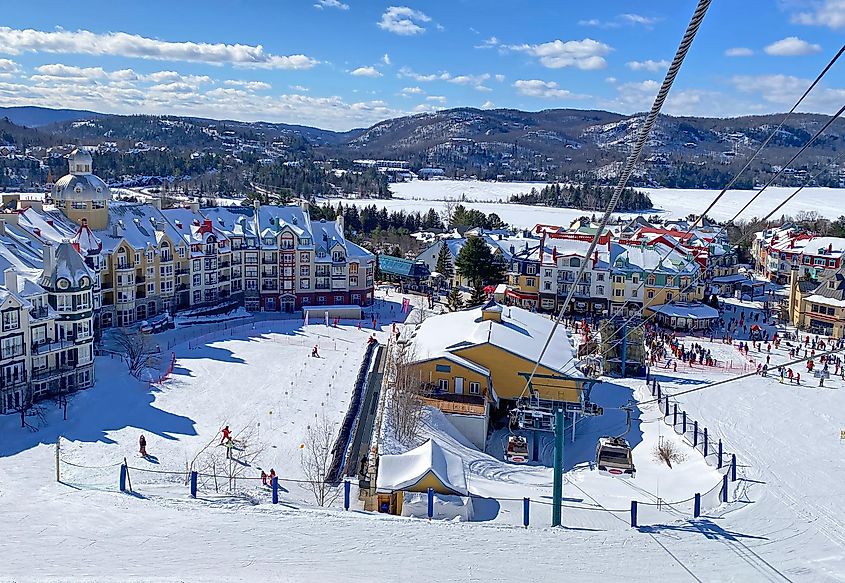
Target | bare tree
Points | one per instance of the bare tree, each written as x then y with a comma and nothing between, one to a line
448,211
27,407
317,457
404,401
667,452
138,351
219,470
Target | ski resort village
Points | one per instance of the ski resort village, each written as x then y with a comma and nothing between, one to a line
243,392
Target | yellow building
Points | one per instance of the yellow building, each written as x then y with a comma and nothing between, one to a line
818,306
82,196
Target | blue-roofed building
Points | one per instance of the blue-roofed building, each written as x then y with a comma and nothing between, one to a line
406,271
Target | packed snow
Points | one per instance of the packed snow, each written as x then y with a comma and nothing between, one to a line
784,519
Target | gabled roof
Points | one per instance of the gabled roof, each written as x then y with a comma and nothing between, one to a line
406,470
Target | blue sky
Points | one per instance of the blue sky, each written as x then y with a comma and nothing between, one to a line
341,64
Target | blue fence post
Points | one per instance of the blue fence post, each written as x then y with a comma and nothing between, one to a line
695,433
430,503
720,455
659,395
725,488
347,485
634,513
696,510
733,467
653,387
123,478
667,404
274,483
526,507
193,484
674,415
683,423
705,443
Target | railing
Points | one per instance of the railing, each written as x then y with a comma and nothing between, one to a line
39,313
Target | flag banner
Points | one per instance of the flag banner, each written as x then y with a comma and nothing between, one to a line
406,304
327,318
306,317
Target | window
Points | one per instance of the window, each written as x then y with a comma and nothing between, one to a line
617,293
443,385
599,277
619,279
321,300
11,320
338,299
650,294
574,262
531,269
547,286
151,288
547,273
670,281
443,368
304,270
181,251
474,388
150,255
80,205
600,290
529,282
669,297
11,347
303,257
650,280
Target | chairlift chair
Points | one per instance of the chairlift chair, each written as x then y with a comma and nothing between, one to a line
613,454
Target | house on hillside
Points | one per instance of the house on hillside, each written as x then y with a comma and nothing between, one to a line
474,363
819,307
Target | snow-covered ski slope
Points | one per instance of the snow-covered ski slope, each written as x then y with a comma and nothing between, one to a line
492,197
787,525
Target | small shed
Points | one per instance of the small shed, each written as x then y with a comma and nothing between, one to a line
685,316
417,470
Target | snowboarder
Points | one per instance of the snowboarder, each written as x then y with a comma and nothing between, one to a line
142,442
314,352
226,435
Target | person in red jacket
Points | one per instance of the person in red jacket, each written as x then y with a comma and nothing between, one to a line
226,435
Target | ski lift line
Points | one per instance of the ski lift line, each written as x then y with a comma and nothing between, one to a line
633,157
742,376
572,367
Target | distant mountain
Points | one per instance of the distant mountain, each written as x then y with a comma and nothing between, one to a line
41,116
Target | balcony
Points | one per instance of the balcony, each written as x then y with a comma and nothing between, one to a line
183,271
52,373
53,346
266,287
16,381
165,259
39,313
124,267
182,287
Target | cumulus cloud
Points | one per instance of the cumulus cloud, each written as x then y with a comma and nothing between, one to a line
544,89
738,52
488,105
403,21
16,41
436,98
587,54
365,72
248,85
792,46
406,91
8,68
385,59
649,65
331,4
830,13
783,90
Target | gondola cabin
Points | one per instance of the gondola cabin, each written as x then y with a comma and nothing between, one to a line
516,450
613,458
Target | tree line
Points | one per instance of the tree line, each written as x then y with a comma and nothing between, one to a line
585,197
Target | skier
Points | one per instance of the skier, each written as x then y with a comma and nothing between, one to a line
226,435
142,442
780,370
314,352
798,379
263,478
271,476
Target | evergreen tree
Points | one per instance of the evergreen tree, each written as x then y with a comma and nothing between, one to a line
444,262
477,263
478,296
455,300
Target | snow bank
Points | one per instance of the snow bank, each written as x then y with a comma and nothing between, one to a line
445,507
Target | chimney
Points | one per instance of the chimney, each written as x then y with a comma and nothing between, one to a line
595,258
207,224
830,247
11,280
48,257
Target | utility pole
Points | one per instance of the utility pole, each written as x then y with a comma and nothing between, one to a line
557,490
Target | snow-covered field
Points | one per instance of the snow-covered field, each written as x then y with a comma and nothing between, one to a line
492,197
787,523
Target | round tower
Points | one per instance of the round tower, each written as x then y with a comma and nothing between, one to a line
81,196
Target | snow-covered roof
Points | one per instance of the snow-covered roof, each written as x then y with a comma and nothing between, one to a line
683,310
520,332
404,471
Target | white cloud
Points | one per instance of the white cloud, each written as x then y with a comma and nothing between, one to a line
385,59
791,46
475,81
83,42
365,72
8,68
649,65
489,43
738,52
403,21
610,80
331,4
500,78
437,98
587,54
783,90
300,88
830,13
248,85
412,91
628,19
488,105
544,89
